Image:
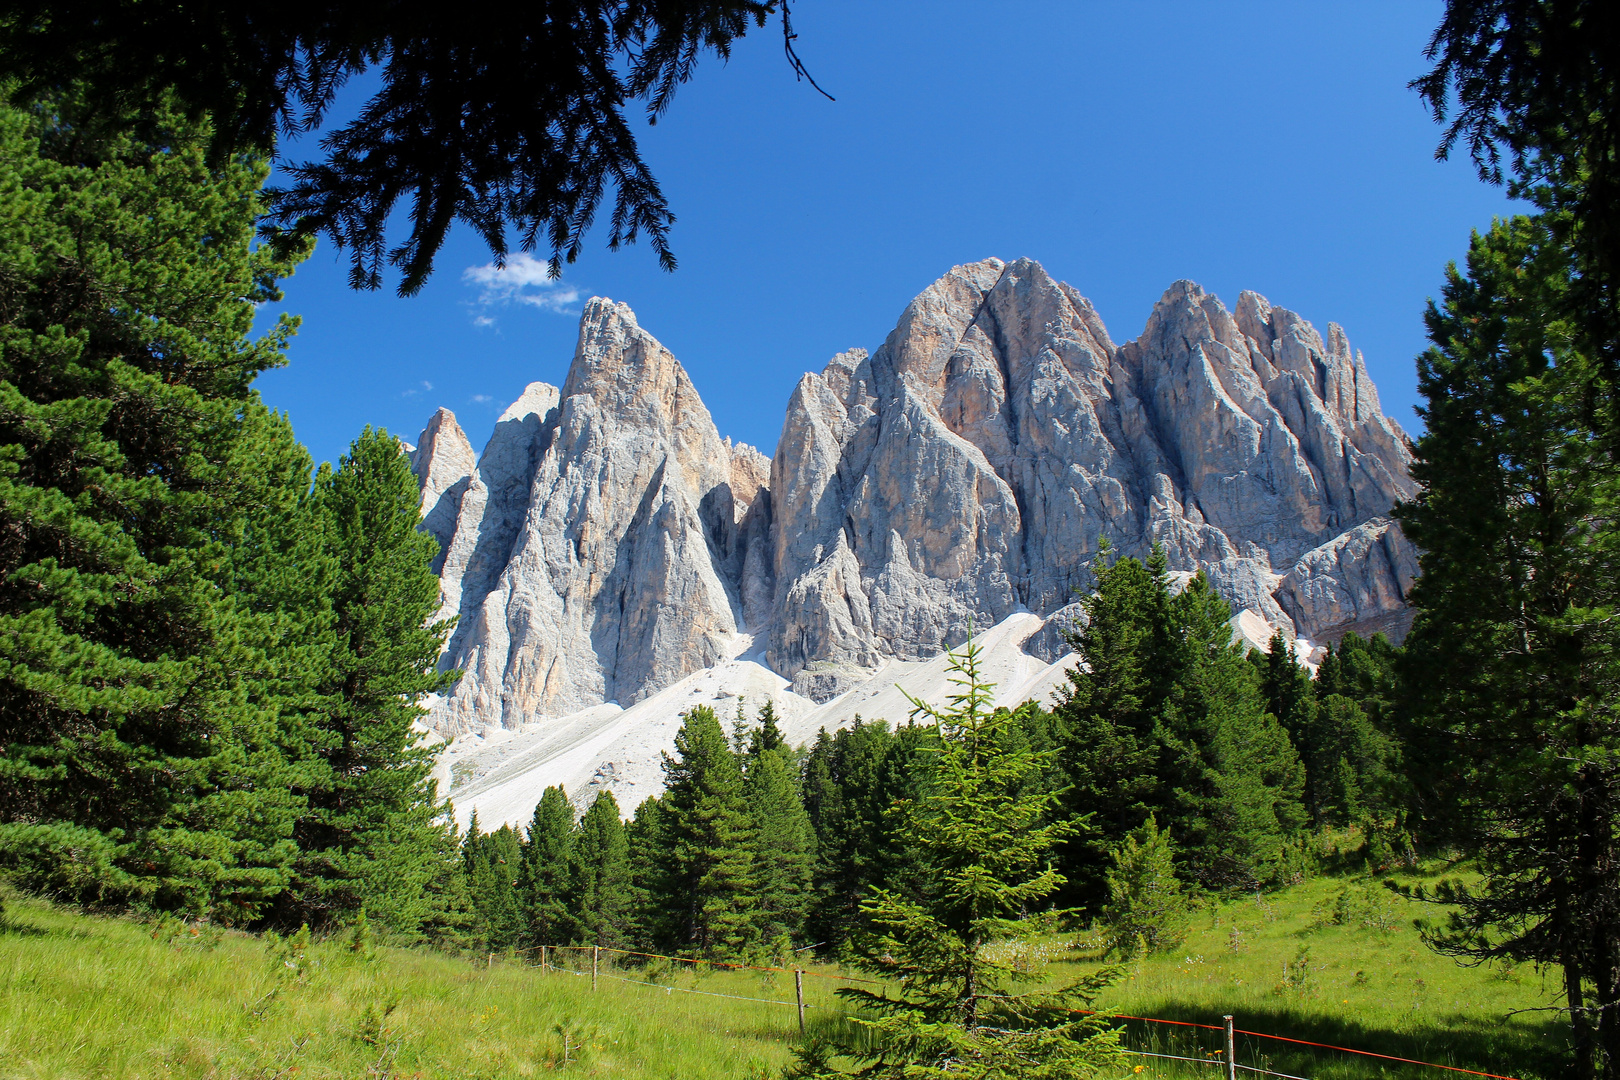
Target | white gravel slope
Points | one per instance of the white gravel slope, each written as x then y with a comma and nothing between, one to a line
503,773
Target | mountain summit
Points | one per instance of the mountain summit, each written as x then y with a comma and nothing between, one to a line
609,543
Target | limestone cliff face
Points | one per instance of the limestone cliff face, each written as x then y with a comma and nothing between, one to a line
971,466
444,463
609,542
593,558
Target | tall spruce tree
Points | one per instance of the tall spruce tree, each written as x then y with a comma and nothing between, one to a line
543,879
599,884
653,923
985,837
139,763
1512,670
849,786
708,876
369,835
493,864
784,844
1165,718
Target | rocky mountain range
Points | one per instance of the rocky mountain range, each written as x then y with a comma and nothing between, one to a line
608,542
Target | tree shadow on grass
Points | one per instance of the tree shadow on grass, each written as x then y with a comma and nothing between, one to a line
15,929
1527,1048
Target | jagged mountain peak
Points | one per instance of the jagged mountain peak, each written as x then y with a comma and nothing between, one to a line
963,472
443,462
598,554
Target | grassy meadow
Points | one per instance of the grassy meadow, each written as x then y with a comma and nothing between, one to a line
1332,960
1336,960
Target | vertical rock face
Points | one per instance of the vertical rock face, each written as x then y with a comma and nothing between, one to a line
972,465
593,559
609,542
444,464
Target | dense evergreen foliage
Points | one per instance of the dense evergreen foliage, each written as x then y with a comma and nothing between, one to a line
512,126
599,893
142,761
209,659
1339,722
1165,718
1512,678
982,831
369,833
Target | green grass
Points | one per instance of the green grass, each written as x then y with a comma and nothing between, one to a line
101,997
84,996
1336,960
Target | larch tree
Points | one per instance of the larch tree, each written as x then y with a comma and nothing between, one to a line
985,834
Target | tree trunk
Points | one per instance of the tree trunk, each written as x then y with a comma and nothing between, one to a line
1580,1024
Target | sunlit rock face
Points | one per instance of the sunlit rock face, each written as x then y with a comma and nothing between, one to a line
599,548
444,464
973,464
608,542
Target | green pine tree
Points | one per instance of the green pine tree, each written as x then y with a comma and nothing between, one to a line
599,882
543,879
653,923
370,834
1166,718
768,734
1350,764
492,863
708,871
1106,718
1146,911
141,763
783,842
851,781
1228,775
986,840
1512,669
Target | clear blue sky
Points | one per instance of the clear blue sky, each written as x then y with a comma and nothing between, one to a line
1266,146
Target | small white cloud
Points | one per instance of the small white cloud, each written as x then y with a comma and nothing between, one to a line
426,385
482,399
523,280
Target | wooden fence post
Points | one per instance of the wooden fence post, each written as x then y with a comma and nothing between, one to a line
1231,1051
798,993
544,964
596,952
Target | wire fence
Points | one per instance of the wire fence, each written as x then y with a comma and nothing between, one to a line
1219,1058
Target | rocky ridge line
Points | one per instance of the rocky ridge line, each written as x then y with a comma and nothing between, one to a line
609,543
